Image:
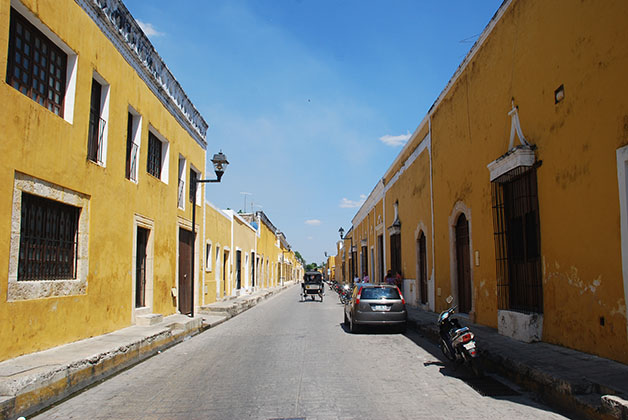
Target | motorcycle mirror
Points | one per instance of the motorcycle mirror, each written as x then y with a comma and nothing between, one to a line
449,299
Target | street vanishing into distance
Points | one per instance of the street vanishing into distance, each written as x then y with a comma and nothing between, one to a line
290,359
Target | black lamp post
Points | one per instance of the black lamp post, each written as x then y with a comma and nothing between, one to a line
220,164
342,231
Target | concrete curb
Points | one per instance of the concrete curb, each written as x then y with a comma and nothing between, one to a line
572,391
31,383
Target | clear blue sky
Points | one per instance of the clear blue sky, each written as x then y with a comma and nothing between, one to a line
301,94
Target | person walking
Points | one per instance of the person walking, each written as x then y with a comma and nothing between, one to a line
389,279
365,278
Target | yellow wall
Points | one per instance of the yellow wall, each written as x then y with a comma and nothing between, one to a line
45,146
244,239
413,193
218,234
531,49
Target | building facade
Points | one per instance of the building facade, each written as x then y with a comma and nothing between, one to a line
95,118
511,194
103,228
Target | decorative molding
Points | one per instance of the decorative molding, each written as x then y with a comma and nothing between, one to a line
516,157
117,23
369,204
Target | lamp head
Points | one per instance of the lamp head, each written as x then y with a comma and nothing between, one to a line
220,163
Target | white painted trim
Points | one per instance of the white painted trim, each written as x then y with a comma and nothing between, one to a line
117,24
421,227
71,65
519,156
105,89
136,127
425,143
149,224
459,208
165,153
199,192
369,204
622,177
217,267
182,175
208,258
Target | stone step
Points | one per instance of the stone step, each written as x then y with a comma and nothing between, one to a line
148,319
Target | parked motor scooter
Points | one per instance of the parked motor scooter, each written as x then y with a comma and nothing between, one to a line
456,342
345,294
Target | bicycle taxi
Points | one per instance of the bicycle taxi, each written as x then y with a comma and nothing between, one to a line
312,286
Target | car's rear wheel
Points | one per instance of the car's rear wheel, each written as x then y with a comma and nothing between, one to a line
352,327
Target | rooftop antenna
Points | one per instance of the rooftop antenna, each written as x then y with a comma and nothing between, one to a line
245,194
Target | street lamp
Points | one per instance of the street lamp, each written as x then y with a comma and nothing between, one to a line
220,163
342,231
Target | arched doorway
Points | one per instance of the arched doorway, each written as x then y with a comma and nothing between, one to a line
422,268
463,264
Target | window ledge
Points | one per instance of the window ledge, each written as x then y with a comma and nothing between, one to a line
516,157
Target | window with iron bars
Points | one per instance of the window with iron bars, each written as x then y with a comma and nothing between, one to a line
153,163
131,148
193,185
395,253
36,66
517,241
48,239
96,125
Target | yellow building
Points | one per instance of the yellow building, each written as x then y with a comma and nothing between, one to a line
243,255
511,195
99,143
217,274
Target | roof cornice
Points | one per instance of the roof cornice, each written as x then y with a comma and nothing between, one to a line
117,23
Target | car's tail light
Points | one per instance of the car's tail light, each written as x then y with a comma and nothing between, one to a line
401,296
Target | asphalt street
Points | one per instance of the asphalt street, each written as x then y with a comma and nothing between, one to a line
289,359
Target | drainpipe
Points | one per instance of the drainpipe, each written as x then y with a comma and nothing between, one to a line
429,147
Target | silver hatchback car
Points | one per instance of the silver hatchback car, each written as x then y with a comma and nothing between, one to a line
376,304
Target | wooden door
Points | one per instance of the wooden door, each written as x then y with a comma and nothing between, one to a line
140,267
185,271
463,264
422,268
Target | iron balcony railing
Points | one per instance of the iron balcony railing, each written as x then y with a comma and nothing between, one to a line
181,193
95,137
131,162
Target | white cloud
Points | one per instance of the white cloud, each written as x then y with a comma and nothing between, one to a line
345,203
149,29
309,238
313,222
395,141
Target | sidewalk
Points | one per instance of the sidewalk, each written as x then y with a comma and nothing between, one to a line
578,382
35,381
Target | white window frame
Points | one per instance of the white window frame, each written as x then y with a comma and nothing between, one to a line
165,154
71,65
208,255
136,139
197,199
105,88
181,188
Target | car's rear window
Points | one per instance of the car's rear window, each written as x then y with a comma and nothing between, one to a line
379,293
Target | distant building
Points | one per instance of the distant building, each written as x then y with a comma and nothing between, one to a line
511,195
